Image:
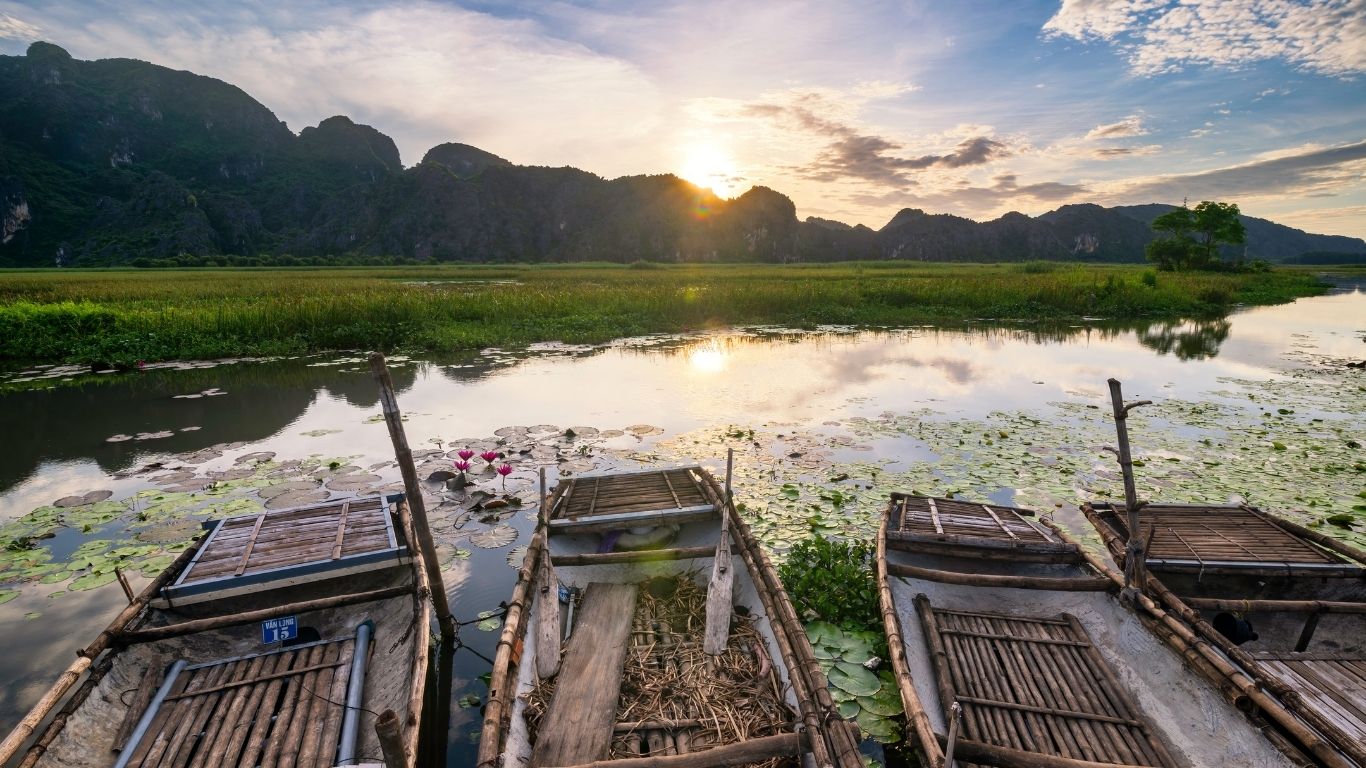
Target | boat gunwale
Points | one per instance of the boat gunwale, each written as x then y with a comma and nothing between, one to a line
1240,693
1310,731
99,656
824,729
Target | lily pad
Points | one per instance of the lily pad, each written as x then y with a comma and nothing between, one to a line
854,679
495,537
489,621
848,709
7,595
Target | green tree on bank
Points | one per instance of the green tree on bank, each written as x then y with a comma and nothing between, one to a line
1190,238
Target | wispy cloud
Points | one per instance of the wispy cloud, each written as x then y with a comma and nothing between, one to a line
1322,36
12,28
854,153
1129,126
1314,170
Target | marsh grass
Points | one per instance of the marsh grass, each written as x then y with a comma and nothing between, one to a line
122,316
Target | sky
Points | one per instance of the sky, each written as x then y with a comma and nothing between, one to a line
855,110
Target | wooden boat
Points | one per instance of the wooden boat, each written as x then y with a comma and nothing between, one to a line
1012,648
271,641
1286,603
683,651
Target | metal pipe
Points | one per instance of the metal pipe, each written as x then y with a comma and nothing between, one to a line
145,722
355,690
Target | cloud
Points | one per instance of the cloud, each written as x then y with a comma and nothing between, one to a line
1004,191
422,72
1314,170
1110,153
12,28
1156,36
881,89
854,154
1129,126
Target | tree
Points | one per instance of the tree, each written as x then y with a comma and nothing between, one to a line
1190,239
1218,224
1172,249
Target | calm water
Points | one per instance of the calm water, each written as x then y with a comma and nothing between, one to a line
810,397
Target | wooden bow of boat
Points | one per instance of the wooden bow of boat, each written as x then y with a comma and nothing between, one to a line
185,676
1268,583
1003,617
656,555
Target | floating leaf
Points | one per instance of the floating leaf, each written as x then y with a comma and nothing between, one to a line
495,537
489,621
91,580
854,679
7,595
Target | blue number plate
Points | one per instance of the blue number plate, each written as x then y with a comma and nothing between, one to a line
275,630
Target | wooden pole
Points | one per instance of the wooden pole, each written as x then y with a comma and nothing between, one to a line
1059,583
123,582
547,602
131,637
1134,564
390,742
416,506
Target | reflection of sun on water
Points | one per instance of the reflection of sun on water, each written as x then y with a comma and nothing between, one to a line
710,166
707,358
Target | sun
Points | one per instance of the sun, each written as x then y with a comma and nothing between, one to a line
711,166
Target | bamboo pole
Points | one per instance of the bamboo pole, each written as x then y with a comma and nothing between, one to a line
1134,568
390,742
643,556
498,708
739,753
416,506
1059,583
133,637
417,682
804,675
547,604
1273,606
891,622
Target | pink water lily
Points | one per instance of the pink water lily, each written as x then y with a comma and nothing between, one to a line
489,456
465,454
463,466
505,470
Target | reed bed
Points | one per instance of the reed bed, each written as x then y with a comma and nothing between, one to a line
675,699
122,316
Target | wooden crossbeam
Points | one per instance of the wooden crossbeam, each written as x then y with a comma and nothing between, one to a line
341,531
251,544
1002,525
672,492
934,515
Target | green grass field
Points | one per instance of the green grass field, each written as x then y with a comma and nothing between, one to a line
122,316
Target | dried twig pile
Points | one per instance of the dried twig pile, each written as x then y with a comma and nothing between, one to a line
676,699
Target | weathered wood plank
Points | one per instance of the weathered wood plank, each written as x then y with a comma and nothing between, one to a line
578,727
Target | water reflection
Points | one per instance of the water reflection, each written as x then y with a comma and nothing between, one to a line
324,407
1188,340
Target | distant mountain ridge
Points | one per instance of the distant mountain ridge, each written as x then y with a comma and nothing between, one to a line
112,161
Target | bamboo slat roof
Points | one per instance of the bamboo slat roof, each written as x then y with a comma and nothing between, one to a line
1038,685
309,541
953,517
252,710
628,499
1333,684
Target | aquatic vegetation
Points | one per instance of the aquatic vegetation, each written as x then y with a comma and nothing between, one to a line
121,317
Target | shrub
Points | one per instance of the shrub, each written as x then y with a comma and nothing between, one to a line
1150,278
832,581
